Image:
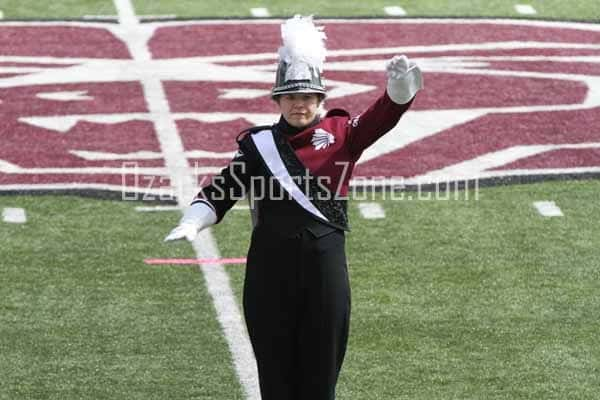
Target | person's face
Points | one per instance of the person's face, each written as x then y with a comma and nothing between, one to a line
298,109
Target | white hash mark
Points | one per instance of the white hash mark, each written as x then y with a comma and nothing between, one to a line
14,215
548,208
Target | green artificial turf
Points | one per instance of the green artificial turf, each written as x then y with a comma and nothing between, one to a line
456,299
552,9
452,299
60,9
81,315
580,9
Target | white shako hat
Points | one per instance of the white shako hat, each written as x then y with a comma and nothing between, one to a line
301,57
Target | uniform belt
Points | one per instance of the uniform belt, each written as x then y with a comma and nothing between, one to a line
290,226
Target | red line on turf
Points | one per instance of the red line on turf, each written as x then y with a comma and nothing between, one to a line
192,261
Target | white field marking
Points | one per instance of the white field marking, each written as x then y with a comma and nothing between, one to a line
166,192
548,208
419,124
371,210
412,21
141,17
147,155
1,15
136,37
63,124
416,125
424,179
525,9
486,59
592,99
444,21
453,47
396,11
101,17
171,69
126,169
412,181
206,69
176,208
425,64
422,119
65,96
19,70
217,283
539,171
161,16
191,69
481,165
456,63
510,45
157,208
260,12
140,192
388,144
243,93
14,215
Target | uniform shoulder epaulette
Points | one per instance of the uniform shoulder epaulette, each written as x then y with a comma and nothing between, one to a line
250,131
337,112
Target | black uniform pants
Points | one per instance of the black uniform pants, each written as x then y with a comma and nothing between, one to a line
297,310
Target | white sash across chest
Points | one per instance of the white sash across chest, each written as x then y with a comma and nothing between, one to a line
267,148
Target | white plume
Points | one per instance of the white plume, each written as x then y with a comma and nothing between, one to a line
303,42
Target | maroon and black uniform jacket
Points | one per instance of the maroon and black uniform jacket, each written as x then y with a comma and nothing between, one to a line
322,174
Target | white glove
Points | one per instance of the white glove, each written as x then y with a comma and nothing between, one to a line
195,218
404,79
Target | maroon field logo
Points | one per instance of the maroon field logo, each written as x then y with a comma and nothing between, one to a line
94,107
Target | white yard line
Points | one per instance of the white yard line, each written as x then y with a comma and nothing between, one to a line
140,17
14,215
525,9
228,314
371,210
101,17
548,208
260,12
183,182
395,11
163,16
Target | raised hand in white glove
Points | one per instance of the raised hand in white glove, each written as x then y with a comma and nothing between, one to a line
404,79
397,66
195,218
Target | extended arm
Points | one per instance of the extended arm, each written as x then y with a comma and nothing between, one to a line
404,80
214,200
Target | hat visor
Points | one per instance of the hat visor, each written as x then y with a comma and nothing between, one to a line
276,92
